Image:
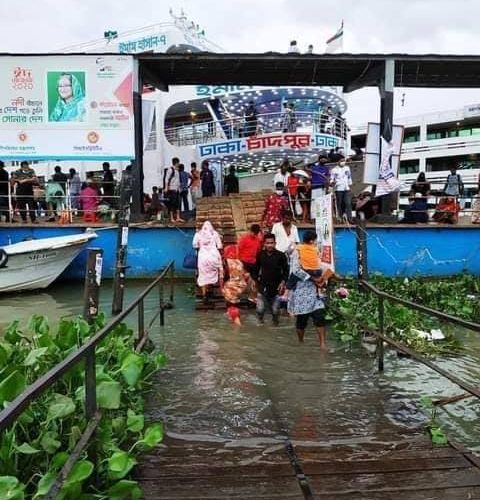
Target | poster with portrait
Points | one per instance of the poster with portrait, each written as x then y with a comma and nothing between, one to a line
66,107
323,214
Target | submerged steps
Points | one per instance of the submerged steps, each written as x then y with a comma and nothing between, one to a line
231,216
409,469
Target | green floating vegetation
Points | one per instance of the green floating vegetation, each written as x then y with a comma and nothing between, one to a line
459,296
38,444
433,427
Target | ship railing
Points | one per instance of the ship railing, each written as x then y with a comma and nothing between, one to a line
201,132
67,203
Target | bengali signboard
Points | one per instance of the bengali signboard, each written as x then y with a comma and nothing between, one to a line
66,107
155,43
220,90
293,141
323,215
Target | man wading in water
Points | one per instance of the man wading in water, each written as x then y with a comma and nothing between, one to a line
272,268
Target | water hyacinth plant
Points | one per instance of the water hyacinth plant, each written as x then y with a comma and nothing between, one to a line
459,296
39,443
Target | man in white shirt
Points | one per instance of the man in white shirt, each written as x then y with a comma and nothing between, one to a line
171,186
282,175
286,234
341,180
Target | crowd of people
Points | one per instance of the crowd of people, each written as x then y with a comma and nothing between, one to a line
271,268
180,191
297,188
450,201
252,123
24,195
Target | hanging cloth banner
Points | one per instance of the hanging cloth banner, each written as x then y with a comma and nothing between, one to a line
323,214
387,179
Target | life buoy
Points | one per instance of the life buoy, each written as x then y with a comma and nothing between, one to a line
3,258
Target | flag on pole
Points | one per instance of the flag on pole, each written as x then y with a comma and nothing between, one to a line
335,43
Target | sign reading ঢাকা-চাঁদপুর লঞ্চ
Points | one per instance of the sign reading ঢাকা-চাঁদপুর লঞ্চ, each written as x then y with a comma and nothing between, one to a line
66,107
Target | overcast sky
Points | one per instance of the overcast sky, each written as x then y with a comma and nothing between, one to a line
376,26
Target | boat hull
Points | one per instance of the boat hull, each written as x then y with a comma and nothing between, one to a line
38,269
34,264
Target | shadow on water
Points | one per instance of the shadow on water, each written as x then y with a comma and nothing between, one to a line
258,383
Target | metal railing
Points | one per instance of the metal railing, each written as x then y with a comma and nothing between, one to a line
382,337
87,353
201,132
40,204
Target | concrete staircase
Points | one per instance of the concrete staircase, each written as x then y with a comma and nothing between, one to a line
232,215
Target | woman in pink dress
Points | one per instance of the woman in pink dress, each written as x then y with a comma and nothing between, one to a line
210,269
89,201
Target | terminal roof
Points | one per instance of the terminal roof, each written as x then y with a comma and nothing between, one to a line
350,71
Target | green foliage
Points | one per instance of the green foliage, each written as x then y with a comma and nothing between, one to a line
36,447
11,488
433,427
459,296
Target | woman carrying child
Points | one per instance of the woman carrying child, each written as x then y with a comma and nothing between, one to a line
307,298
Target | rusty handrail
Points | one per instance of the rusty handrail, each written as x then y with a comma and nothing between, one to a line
20,403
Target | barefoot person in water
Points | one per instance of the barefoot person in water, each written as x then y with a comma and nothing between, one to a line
235,284
306,302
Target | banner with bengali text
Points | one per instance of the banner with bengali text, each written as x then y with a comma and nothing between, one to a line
66,107
323,214
292,140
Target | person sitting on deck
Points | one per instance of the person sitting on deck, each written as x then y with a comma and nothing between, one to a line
417,211
447,210
420,186
365,205
275,204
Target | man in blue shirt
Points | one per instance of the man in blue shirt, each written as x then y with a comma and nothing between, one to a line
320,173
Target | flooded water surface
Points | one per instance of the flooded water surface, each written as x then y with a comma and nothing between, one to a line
256,382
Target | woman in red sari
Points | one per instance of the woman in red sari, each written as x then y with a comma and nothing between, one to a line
236,283
447,210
